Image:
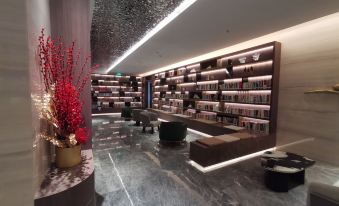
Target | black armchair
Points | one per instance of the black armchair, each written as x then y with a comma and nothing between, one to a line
172,133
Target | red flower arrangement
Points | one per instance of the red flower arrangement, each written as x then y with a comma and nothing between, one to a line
64,80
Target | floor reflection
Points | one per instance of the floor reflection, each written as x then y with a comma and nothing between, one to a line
131,169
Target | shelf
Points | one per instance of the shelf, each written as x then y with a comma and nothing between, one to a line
326,91
213,72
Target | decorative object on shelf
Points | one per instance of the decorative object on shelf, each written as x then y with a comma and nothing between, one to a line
62,102
334,90
256,56
229,68
196,96
242,60
328,91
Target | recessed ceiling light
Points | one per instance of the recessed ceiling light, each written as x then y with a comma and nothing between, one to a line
177,11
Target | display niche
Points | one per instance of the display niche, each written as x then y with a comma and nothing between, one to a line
111,93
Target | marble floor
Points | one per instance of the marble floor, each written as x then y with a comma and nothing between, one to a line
131,169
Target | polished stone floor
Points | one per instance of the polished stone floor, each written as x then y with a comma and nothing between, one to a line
131,169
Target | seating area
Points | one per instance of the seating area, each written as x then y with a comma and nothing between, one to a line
169,103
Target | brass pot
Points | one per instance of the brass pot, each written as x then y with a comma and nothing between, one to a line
336,87
68,157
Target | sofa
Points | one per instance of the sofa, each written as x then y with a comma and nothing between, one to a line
149,119
320,194
172,133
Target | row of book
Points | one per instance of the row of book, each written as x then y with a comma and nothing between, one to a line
260,127
259,84
190,113
207,86
212,97
207,116
115,104
208,107
250,112
177,96
105,94
247,97
118,100
116,89
228,120
111,78
176,103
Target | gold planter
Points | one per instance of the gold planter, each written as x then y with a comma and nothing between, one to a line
68,157
336,87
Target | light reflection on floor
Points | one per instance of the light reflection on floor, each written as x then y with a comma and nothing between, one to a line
131,169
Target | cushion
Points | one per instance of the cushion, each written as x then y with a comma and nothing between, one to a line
227,138
211,141
242,135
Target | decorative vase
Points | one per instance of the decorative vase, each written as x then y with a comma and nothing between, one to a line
68,157
336,87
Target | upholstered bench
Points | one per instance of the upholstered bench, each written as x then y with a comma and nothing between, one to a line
213,150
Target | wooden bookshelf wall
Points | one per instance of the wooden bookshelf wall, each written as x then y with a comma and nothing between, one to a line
111,93
239,89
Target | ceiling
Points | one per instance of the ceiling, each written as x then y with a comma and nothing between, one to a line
209,25
118,24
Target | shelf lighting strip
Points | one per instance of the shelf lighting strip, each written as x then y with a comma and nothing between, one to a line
256,120
249,52
210,92
233,80
208,102
108,97
258,78
265,63
107,80
101,86
213,71
186,84
250,106
207,82
192,66
251,92
207,112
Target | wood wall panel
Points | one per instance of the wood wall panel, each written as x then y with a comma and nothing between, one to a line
310,60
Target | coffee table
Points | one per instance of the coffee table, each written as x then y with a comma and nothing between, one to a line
284,170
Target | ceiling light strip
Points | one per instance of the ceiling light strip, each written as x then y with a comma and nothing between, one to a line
177,11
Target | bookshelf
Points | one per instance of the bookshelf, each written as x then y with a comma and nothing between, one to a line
238,89
111,93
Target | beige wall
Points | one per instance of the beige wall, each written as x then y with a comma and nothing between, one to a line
37,17
310,60
16,135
